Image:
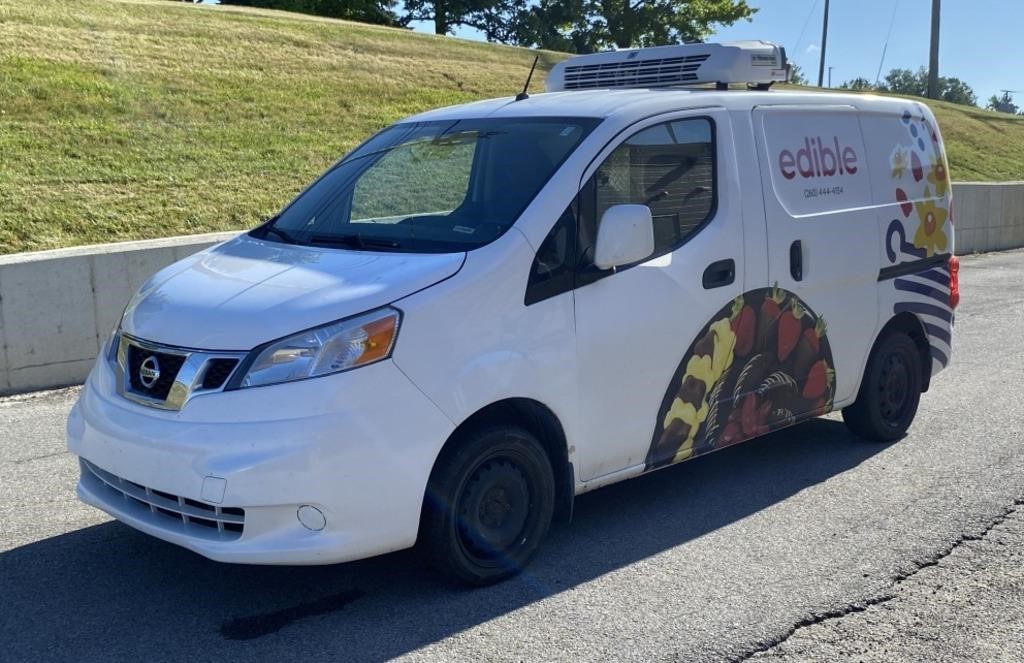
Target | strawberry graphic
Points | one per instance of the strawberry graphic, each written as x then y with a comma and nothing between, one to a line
731,434
808,347
790,328
819,380
754,416
743,323
768,317
778,371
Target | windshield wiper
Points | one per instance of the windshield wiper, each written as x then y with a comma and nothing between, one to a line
356,241
284,235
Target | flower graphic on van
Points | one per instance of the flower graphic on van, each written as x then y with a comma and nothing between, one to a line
930,235
938,177
899,160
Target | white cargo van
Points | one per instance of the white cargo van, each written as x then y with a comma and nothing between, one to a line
485,310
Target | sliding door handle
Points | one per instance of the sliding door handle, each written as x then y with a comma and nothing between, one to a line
796,260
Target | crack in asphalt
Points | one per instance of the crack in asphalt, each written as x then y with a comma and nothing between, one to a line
22,461
257,626
861,606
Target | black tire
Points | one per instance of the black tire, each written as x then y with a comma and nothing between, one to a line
890,391
489,505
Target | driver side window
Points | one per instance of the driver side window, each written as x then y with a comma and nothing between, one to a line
670,168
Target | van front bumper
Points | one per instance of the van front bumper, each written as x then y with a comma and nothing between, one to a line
227,476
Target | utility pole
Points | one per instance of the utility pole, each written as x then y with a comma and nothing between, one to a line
830,76
824,38
933,60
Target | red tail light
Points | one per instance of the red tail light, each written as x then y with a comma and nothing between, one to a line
954,281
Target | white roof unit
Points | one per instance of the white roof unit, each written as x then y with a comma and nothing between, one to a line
758,63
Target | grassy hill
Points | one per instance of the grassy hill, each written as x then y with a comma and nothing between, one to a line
129,119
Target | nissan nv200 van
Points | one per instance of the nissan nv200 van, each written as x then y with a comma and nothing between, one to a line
486,310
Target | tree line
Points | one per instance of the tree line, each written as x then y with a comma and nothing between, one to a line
588,26
915,83
571,26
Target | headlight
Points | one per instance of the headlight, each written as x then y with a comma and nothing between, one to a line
332,348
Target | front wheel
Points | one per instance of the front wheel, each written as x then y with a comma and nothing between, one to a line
890,391
489,505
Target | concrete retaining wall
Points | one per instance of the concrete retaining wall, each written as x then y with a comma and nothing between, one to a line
988,217
57,307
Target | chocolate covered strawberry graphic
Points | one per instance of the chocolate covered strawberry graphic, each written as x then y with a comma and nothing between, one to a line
744,325
762,363
808,348
790,329
819,380
768,316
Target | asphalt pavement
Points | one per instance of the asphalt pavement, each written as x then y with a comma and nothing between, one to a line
808,544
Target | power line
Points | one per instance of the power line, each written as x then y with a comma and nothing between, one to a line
807,21
885,47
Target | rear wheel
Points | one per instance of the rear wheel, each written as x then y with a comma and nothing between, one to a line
489,505
890,391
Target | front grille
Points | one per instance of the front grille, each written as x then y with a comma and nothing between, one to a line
165,510
217,372
169,365
174,374
635,73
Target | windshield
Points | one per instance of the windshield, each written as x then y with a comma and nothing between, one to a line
430,186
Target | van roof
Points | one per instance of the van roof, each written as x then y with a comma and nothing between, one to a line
639,103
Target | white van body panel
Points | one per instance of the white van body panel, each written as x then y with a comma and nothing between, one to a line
640,368
322,442
629,327
246,292
910,181
830,215
494,348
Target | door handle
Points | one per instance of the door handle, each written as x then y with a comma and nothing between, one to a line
796,260
719,273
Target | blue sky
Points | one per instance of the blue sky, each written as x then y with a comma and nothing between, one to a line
980,39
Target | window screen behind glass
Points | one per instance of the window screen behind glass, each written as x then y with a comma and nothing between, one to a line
668,167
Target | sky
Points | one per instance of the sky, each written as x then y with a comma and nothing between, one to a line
980,40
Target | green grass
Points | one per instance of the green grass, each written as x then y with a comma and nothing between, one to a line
131,119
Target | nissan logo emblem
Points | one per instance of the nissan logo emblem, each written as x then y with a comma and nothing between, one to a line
149,372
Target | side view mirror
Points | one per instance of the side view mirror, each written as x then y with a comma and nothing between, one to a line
625,235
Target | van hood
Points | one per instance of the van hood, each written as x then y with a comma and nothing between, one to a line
246,292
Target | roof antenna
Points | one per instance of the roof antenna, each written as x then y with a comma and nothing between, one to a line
524,94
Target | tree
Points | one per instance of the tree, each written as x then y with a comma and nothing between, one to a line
1003,104
905,81
364,11
586,26
796,75
488,16
955,90
858,84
